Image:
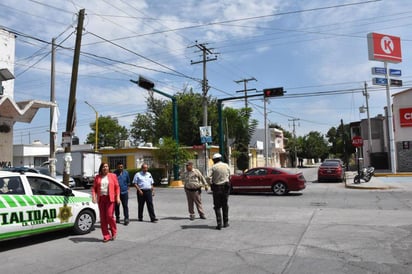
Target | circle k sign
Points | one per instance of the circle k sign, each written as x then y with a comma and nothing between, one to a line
384,47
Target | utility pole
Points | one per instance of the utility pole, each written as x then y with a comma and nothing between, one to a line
345,154
245,89
70,122
205,87
294,136
366,94
52,148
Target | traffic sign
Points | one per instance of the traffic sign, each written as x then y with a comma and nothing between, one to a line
379,81
395,72
380,71
396,82
357,141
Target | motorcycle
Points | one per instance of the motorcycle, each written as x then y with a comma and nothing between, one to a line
365,174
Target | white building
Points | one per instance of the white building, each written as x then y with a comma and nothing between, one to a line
11,111
402,124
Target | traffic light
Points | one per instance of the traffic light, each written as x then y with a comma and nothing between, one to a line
273,92
145,83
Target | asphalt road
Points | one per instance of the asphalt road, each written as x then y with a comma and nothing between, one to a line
326,228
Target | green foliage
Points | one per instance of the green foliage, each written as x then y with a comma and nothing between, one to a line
315,146
142,129
109,132
170,154
341,145
158,121
240,128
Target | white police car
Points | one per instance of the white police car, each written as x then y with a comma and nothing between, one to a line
32,203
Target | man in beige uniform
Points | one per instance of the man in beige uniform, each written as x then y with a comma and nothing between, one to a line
220,187
193,181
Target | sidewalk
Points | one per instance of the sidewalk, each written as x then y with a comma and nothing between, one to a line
376,182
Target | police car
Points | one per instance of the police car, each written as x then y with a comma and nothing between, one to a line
32,203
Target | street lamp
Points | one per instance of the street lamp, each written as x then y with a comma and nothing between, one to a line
97,126
149,85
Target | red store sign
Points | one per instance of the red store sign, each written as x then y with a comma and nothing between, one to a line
405,117
384,47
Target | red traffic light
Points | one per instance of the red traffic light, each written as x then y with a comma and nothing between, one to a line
273,92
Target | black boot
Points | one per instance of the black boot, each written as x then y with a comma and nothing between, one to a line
218,219
225,210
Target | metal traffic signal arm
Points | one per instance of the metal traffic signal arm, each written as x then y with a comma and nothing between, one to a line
149,85
270,91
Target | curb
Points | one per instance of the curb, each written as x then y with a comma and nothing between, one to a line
360,186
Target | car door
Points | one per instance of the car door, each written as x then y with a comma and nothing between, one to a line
52,208
255,180
15,208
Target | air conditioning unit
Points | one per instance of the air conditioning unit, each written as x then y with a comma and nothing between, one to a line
124,143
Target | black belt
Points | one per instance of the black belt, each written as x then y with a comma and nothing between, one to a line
193,190
221,185
145,190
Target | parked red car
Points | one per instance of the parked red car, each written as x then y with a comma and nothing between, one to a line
267,179
331,171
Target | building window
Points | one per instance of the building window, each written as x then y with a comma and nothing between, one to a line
40,160
117,159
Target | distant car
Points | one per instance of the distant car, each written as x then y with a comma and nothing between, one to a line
331,170
33,203
59,177
335,160
279,181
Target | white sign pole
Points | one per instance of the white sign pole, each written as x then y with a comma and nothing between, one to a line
390,122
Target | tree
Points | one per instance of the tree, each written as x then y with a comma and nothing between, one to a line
341,146
142,129
109,132
157,122
170,154
241,129
315,146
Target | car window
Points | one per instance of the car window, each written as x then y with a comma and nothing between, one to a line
11,185
330,163
42,186
256,172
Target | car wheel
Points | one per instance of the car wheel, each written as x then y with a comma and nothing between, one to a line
84,222
279,189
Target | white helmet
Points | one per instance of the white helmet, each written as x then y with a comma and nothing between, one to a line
216,156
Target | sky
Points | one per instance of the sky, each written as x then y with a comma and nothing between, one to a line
315,49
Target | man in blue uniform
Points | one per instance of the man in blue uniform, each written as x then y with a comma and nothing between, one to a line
143,182
124,182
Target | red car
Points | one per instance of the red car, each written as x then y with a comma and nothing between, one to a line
267,179
331,170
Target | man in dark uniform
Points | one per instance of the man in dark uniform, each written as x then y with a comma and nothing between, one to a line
220,187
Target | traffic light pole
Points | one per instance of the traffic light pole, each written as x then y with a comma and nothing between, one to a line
220,118
148,85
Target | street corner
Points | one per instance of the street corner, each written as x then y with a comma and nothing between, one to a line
374,184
